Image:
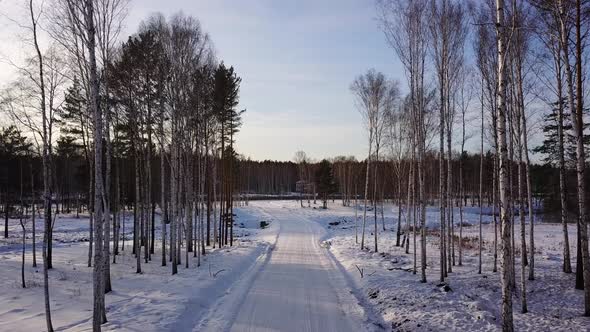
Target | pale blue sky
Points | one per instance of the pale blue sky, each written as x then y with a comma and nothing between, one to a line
297,60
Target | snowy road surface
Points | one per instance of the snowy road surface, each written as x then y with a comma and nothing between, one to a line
299,287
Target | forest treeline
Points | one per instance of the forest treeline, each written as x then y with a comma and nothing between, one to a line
282,177
252,178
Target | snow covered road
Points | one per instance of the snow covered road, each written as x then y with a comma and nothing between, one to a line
298,287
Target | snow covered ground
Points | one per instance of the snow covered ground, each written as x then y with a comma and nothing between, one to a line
299,274
152,301
298,287
472,301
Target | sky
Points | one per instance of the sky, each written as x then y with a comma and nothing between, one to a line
296,60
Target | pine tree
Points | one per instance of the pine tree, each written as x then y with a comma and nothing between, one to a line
550,145
326,182
13,145
225,101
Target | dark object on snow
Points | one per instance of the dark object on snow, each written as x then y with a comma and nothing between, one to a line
373,293
445,287
334,223
264,224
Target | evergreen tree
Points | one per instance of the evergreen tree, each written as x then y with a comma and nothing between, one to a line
549,148
326,183
12,142
13,146
74,120
70,171
225,101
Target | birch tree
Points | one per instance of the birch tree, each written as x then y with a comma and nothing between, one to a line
46,157
506,266
464,103
548,33
448,33
581,158
405,27
370,91
480,240
565,15
397,132
485,46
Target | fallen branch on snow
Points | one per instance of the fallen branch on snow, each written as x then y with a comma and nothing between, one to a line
361,271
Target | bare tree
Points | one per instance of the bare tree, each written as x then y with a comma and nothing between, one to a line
480,242
564,14
448,33
109,16
46,157
404,25
388,102
65,30
581,160
372,94
485,47
397,132
465,96
549,34
506,266
89,33
39,120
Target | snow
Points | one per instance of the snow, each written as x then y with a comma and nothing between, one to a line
301,273
152,301
473,302
296,287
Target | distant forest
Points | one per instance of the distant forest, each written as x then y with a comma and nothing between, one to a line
280,178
